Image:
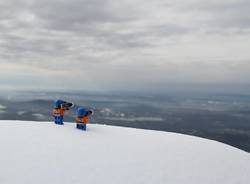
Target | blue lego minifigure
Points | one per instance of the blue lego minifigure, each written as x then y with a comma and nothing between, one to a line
60,107
82,119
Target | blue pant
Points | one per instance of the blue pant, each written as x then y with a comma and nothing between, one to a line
81,126
58,120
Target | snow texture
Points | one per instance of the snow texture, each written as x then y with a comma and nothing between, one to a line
42,152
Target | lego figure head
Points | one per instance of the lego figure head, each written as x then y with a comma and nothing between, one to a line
58,103
81,111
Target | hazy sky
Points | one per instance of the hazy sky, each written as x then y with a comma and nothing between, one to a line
124,44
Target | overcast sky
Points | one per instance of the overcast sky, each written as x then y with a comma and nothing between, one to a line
124,44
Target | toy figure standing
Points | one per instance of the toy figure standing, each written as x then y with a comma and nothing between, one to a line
60,107
82,119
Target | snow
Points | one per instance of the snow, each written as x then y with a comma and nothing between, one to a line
39,116
21,113
2,107
2,111
42,152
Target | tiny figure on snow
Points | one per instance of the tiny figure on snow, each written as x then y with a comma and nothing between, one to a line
82,118
60,107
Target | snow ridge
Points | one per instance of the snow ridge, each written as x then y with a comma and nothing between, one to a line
42,152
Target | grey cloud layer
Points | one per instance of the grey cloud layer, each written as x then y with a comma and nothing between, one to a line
158,36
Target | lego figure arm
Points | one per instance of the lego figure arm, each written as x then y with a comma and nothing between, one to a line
55,112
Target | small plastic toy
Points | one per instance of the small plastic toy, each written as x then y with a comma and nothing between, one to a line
82,118
60,107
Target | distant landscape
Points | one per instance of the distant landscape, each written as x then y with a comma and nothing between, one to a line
225,118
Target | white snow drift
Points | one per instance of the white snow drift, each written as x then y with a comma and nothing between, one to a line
33,152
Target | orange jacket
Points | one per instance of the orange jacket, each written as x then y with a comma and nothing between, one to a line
84,119
58,111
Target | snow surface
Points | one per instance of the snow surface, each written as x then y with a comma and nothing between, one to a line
45,153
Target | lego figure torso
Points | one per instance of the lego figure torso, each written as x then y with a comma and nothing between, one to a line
58,111
84,119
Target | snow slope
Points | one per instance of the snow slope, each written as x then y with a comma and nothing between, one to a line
44,153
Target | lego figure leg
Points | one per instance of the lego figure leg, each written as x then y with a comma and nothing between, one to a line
84,127
59,120
81,126
56,119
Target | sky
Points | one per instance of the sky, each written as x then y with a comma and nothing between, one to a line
125,44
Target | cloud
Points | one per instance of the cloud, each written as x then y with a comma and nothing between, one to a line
132,42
